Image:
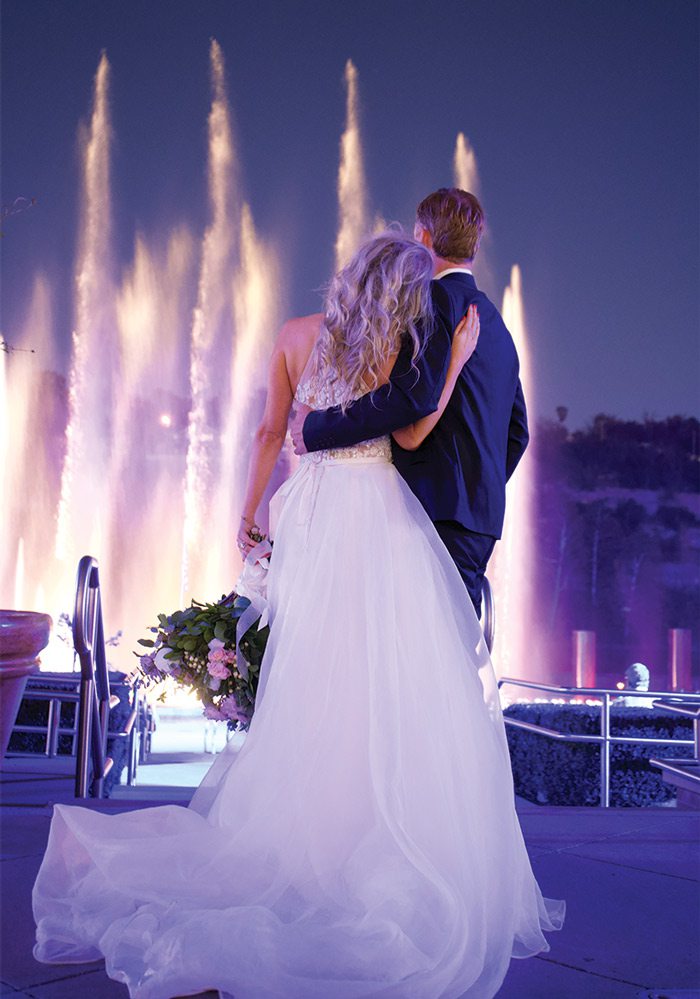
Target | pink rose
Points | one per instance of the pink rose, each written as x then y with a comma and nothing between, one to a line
218,669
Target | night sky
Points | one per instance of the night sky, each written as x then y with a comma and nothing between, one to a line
583,115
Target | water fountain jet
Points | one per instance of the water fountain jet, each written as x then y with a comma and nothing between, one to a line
83,497
513,568
466,177
211,315
353,220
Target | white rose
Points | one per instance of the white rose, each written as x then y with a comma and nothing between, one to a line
163,664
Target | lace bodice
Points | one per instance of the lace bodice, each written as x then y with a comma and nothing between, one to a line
322,394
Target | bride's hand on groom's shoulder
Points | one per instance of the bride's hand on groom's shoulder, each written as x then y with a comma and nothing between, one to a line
465,339
296,427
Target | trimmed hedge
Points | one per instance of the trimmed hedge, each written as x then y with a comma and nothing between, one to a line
549,772
35,712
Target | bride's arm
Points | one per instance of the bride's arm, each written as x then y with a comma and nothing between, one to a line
268,440
464,343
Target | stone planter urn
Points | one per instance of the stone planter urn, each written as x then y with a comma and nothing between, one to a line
23,634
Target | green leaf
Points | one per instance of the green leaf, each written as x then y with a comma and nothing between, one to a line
149,643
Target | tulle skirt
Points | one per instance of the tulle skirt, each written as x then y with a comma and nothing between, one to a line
363,841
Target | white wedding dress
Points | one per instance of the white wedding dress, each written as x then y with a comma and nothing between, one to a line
363,841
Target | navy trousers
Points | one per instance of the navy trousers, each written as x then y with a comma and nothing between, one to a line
470,552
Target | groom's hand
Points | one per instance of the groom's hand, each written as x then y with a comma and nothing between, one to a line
296,427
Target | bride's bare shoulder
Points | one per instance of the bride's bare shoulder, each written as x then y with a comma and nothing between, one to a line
300,332
296,341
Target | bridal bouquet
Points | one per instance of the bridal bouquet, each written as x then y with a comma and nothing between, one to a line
215,650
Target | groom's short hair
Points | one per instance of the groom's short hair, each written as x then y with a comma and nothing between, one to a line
455,221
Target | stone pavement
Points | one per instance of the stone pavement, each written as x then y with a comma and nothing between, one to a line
631,879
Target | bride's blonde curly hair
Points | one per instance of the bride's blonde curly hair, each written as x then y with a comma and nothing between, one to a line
373,305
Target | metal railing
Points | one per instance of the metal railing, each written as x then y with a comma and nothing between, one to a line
604,740
56,689
688,770
96,699
59,690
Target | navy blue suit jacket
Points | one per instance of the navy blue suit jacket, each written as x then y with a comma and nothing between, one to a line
460,470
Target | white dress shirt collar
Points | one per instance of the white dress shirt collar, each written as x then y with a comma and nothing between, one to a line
452,270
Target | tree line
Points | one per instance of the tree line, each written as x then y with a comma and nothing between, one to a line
618,536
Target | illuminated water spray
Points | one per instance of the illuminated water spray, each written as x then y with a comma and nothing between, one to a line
466,177
513,567
146,472
211,313
255,296
466,173
19,575
83,499
165,378
29,464
352,188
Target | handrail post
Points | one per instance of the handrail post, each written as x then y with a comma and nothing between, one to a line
88,639
98,745
85,727
52,727
605,752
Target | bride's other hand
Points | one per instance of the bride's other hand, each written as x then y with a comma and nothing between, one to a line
244,542
296,427
465,339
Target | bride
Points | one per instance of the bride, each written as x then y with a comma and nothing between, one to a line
363,841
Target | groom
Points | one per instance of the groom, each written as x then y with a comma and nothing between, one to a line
460,470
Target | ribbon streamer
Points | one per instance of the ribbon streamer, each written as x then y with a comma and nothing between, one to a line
255,591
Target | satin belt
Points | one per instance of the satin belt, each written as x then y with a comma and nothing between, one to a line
306,482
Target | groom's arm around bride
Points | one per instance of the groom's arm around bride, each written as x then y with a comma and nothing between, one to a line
459,471
412,392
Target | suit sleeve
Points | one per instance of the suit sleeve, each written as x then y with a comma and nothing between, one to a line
412,392
518,434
